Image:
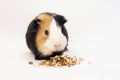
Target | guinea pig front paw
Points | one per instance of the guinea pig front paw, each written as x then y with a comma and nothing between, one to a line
37,56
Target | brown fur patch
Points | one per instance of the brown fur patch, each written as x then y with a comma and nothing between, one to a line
41,37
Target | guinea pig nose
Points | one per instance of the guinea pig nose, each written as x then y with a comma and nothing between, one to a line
57,46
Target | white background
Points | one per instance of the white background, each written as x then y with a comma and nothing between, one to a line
94,31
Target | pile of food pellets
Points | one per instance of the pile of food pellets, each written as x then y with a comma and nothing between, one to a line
60,61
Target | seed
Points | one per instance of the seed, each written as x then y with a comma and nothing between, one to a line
60,61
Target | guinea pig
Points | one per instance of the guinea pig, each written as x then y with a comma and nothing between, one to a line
47,36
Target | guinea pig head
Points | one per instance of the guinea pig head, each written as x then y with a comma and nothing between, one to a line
51,36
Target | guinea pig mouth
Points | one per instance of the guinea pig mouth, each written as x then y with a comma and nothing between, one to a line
57,50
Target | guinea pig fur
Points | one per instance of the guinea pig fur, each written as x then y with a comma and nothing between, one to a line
47,36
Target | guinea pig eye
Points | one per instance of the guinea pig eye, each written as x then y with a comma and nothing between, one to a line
46,32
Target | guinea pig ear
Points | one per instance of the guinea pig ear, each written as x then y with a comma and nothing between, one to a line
37,21
34,25
64,20
60,19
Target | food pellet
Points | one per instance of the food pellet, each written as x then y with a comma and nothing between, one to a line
90,62
30,62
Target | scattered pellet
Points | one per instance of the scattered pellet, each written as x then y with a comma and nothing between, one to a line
90,62
30,62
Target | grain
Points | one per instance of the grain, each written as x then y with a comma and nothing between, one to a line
61,61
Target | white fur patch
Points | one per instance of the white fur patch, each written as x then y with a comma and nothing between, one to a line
56,37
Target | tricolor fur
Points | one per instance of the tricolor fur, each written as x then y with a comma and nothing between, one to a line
46,35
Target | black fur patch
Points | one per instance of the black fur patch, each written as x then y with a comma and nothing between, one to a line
31,35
